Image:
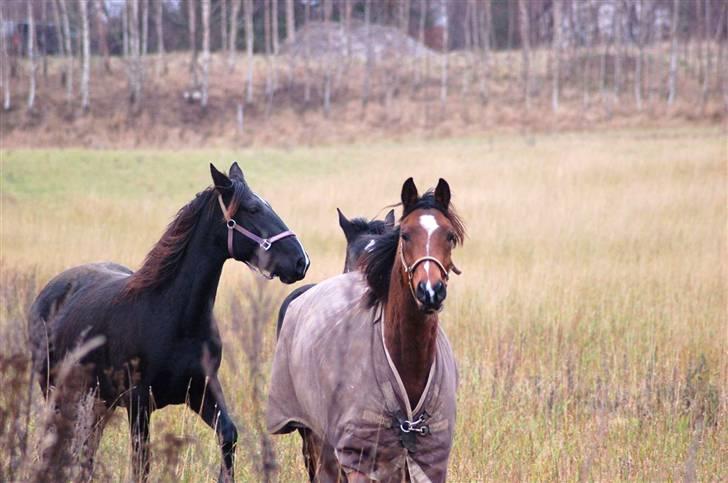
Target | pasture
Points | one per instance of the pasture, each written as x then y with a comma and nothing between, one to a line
589,323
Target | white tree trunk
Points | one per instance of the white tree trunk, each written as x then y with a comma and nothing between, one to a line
69,52
556,55
192,25
274,26
526,50
5,67
205,51
102,31
290,22
672,83
445,52
135,67
233,37
31,56
161,62
249,39
86,52
145,26
223,26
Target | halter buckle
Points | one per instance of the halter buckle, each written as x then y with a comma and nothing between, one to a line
265,245
231,224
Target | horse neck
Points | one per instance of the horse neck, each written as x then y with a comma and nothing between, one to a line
191,293
410,336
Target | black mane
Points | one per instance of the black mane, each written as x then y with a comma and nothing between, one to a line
162,261
377,264
373,227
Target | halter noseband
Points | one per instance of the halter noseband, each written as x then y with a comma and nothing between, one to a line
410,269
232,225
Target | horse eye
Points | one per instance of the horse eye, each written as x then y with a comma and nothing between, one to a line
405,237
254,208
451,237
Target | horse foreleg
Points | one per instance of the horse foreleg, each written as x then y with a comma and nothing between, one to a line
209,402
138,412
311,450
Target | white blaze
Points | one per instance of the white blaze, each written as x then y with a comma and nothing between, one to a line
429,223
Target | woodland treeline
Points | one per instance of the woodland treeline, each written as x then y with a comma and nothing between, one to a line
622,50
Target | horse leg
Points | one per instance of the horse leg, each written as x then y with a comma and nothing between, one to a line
319,458
209,402
138,412
101,417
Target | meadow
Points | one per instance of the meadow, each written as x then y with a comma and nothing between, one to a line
589,324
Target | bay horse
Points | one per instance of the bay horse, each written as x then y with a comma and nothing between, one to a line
363,369
358,233
158,322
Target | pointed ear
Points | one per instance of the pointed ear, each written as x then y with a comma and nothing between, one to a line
389,219
442,193
345,224
236,172
222,183
409,194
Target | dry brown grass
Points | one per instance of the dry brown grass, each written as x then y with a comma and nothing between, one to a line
589,324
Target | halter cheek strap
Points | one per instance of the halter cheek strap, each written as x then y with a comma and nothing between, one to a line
410,269
233,226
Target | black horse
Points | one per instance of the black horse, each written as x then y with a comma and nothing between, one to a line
359,233
157,322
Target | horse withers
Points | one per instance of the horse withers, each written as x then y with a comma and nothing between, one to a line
363,368
359,233
157,323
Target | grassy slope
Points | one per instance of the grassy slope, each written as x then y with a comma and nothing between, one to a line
594,284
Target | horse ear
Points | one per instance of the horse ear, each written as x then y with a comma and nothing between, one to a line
442,193
222,183
389,219
409,194
345,224
236,172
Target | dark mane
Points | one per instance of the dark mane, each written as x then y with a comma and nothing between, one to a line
162,261
377,264
373,227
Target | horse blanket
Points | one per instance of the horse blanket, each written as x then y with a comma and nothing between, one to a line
333,374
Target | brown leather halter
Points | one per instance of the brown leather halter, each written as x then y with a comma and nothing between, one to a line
233,226
410,269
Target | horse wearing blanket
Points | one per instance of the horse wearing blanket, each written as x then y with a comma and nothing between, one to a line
362,368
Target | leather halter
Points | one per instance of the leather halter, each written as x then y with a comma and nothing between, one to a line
410,269
233,226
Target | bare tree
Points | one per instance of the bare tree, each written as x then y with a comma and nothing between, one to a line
672,89
618,50
205,51
69,51
223,26
274,26
86,55
445,51
44,22
5,67
307,57
145,26
291,22
370,55
161,62
102,30
327,9
249,39
192,24
641,24
556,56
267,46
526,50
233,37
125,29
135,64
485,33
31,57
59,34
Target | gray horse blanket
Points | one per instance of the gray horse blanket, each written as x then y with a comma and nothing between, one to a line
332,374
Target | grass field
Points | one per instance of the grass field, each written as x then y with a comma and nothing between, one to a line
589,324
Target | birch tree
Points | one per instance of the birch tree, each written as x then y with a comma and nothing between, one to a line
249,39
69,51
145,26
223,26
192,31
445,51
291,22
233,37
672,82
274,26
86,55
135,65
369,54
5,63
556,56
485,33
31,57
205,51
102,32
161,61
526,51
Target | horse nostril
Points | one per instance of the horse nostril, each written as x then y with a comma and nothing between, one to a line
301,266
422,293
440,291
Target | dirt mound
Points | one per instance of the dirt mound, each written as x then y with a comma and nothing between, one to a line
324,39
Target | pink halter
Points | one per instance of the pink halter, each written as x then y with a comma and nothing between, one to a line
264,243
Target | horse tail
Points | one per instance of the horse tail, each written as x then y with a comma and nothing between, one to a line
287,301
